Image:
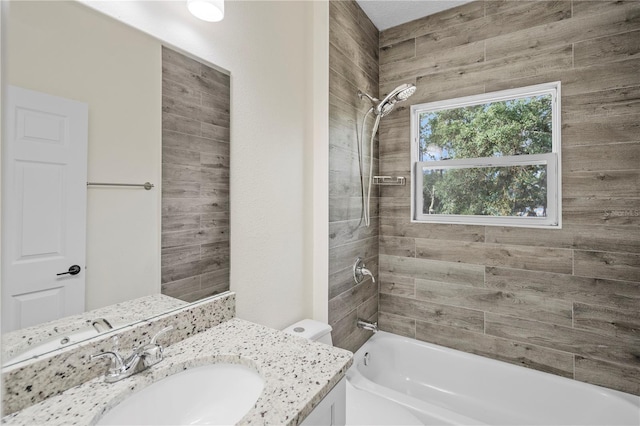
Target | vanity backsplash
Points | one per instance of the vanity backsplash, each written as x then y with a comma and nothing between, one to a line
37,379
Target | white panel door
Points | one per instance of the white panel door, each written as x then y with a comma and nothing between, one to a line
44,199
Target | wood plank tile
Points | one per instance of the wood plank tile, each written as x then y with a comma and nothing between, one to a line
579,80
180,190
214,220
177,140
605,184
610,322
184,222
397,285
341,305
526,64
506,18
180,156
520,257
342,280
176,89
583,8
212,131
218,102
216,279
402,227
349,231
395,207
181,173
562,338
605,292
467,319
214,75
345,25
182,287
176,123
215,251
522,354
340,40
619,156
601,210
618,20
610,375
425,63
343,328
608,265
357,338
544,309
611,48
343,65
177,255
398,246
170,56
181,271
203,236
451,17
558,238
396,324
398,52
343,256
349,208
586,237
604,103
598,130
174,206
197,112
345,90
368,308
433,270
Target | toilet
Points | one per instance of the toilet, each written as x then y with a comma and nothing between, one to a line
312,330
362,408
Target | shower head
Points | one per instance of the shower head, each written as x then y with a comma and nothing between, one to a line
384,107
399,94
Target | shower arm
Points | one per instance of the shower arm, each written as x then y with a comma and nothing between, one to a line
361,95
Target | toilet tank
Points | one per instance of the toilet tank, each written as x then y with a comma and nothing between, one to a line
312,330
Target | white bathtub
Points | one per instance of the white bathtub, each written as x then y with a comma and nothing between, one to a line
440,386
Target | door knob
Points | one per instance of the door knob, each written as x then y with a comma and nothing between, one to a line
73,270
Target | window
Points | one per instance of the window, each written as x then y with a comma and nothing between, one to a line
489,159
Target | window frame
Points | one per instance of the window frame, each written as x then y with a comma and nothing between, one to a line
552,160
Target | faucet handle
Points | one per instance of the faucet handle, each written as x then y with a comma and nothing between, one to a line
152,352
116,360
160,333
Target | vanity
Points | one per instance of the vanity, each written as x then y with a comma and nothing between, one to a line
300,379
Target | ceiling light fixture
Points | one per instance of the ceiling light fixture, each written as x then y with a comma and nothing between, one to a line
207,10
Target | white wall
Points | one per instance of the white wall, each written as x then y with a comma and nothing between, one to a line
68,50
265,46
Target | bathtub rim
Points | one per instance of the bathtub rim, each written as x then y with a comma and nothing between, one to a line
359,381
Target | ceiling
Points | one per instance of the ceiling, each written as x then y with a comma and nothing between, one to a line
389,13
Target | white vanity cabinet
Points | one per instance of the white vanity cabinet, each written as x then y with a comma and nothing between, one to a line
332,410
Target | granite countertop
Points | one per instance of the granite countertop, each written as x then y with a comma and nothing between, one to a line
15,342
297,374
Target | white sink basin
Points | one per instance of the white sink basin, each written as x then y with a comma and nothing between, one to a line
216,394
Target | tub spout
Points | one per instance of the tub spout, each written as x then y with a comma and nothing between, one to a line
371,326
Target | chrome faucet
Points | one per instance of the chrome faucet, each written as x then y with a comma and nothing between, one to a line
142,358
371,326
360,271
101,324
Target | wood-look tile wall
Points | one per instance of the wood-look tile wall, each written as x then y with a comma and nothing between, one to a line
353,64
562,301
195,178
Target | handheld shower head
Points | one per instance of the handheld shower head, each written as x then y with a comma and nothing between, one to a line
385,106
399,94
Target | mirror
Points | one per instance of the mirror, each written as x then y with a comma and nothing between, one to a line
154,115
